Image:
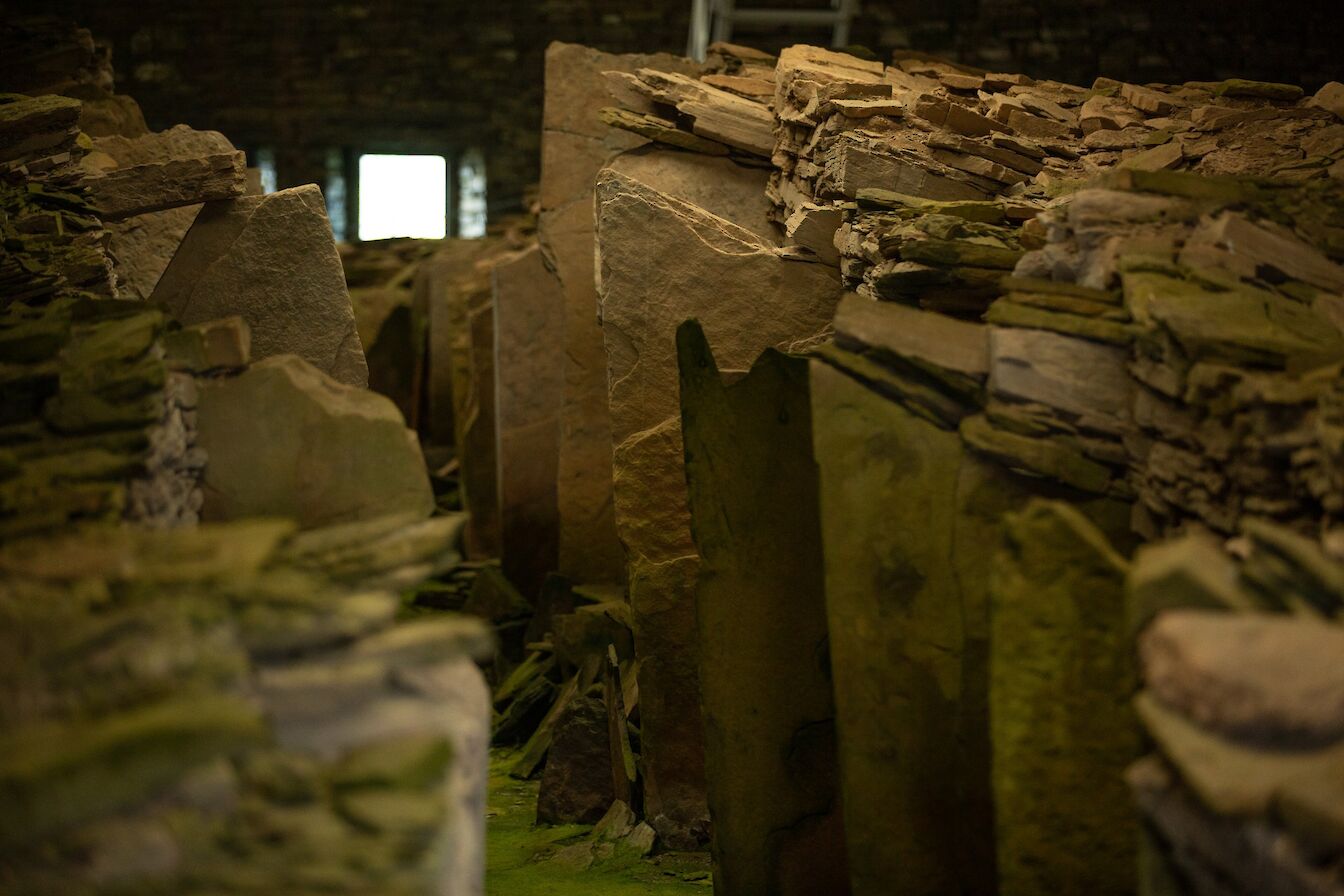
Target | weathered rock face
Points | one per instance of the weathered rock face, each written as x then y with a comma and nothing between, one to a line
575,145
722,274
576,784
1061,678
765,681
273,261
529,387
322,452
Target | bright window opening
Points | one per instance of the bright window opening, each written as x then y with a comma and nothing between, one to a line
402,196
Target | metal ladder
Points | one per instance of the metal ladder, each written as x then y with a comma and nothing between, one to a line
713,20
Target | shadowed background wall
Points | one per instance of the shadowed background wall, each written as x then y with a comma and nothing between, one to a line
304,76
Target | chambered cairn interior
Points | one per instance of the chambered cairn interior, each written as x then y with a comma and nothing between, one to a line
609,448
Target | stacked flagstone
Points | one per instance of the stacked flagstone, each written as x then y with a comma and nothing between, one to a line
1161,346
193,712
1244,702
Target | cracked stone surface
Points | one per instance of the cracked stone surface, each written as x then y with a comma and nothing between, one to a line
271,260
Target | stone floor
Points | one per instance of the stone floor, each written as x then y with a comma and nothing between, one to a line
523,859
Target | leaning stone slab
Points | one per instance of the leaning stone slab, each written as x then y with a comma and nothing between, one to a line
1060,681
529,370
285,439
176,167
661,261
765,679
144,245
271,260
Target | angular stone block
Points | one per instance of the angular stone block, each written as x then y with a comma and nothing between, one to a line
285,439
765,680
271,260
1061,676
661,261
529,370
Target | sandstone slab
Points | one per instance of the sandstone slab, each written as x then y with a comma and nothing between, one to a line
907,512
724,275
575,144
271,260
285,439
1061,676
529,384
765,680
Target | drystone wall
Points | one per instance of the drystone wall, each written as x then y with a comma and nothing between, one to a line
236,705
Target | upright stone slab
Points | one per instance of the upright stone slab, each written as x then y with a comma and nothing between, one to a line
477,451
438,297
662,261
529,312
284,439
909,520
271,260
765,679
906,515
1063,732
575,145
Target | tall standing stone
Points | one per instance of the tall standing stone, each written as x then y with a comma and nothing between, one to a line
765,681
529,312
906,515
477,450
575,145
1061,679
909,519
271,260
661,261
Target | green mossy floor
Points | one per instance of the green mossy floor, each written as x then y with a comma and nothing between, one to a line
524,859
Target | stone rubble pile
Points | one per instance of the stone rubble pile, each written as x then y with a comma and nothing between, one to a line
1243,701
235,706
196,712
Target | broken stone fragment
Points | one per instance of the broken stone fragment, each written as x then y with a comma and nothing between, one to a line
576,783
271,260
218,344
323,452
1190,571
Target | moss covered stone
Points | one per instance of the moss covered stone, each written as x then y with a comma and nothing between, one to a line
1061,676
764,669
